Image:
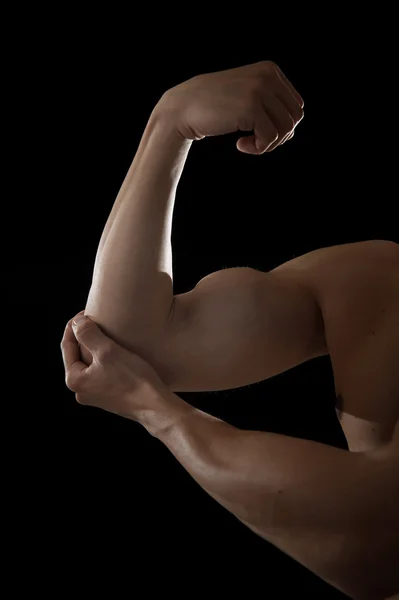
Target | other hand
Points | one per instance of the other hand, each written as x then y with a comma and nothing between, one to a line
117,380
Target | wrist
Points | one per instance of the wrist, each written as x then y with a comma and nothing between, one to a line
165,116
163,413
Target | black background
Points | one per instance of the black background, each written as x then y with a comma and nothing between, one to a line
93,499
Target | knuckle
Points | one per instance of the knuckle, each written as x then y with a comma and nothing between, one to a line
285,126
73,383
290,122
80,399
273,134
267,69
70,383
271,140
299,114
270,65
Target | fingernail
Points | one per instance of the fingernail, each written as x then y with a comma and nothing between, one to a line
78,320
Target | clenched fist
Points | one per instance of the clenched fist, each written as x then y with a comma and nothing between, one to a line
255,97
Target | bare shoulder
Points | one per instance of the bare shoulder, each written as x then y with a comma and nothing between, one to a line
354,284
343,264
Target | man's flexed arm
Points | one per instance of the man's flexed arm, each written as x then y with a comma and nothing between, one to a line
132,288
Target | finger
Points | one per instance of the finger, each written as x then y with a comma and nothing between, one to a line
290,103
290,87
281,118
289,97
71,353
247,145
288,137
265,134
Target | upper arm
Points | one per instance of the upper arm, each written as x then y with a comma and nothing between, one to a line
240,326
236,327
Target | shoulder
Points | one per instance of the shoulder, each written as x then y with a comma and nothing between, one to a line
370,252
355,265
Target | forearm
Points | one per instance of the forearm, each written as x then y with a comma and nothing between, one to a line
200,442
238,468
297,494
132,286
266,480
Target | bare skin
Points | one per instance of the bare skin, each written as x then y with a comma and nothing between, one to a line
333,511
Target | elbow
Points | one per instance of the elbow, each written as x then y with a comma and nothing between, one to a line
126,322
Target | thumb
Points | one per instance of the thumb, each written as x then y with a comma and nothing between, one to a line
251,145
87,332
